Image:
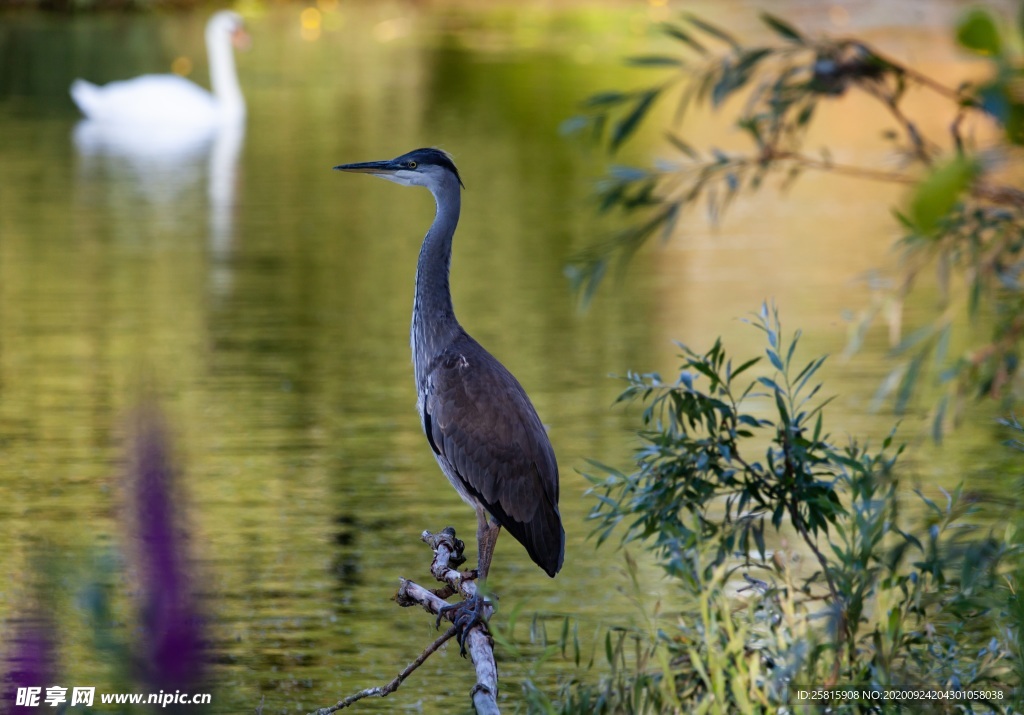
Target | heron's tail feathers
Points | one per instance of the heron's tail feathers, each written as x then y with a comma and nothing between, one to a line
544,539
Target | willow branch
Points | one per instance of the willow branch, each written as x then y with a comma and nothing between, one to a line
999,195
858,172
923,79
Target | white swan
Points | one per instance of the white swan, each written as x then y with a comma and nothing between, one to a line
169,99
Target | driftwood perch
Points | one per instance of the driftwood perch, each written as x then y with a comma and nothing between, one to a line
478,643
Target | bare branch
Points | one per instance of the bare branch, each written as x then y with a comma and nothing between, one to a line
479,645
385,690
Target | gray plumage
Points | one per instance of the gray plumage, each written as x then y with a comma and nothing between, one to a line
482,427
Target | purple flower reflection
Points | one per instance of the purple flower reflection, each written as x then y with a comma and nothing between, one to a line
172,638
31,656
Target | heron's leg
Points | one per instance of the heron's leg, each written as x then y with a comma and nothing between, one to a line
469,613
486,538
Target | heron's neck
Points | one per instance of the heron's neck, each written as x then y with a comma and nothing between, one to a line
433,319
224,76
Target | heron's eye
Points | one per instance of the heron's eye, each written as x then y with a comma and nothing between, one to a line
411,164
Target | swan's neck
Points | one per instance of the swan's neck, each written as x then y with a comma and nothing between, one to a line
223,75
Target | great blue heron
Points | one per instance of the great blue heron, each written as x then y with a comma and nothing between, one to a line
483,430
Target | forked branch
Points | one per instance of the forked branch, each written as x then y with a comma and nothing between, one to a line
479,645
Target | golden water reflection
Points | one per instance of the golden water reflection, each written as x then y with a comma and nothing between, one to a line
266,300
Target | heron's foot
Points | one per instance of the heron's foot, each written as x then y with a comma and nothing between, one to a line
465,615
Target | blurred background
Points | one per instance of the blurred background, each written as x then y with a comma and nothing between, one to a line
264,302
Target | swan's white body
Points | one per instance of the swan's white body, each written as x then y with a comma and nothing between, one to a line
170,99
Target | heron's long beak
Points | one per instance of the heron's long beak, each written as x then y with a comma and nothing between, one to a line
370,167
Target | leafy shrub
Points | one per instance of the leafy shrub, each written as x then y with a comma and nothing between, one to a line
729,460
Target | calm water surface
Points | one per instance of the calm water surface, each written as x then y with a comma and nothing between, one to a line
266,300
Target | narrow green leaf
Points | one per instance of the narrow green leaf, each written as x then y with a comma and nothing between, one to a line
792,347
676,141
628,173
942,345
574,125
712,30
974,299
758,530
908,383
781,405
911,539
624,128
745,366
748,420
939,420
914,339
888,385
679,34
808,372
777,514
782,28
606,99
803,118
727,83
655,61
931,504
585,278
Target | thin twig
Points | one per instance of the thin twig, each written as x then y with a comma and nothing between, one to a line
846,169
385,690
923,79
918,142
999,195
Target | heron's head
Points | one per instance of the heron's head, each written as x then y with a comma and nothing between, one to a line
421,167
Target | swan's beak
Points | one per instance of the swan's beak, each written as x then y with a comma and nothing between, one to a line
241,39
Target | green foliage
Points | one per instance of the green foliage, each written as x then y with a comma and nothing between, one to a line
733,461
1000,96
692,455
939,192
963,217
978,32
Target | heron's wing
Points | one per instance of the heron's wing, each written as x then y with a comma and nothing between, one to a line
480,421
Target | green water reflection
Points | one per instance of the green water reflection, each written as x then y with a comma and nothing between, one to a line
267,300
